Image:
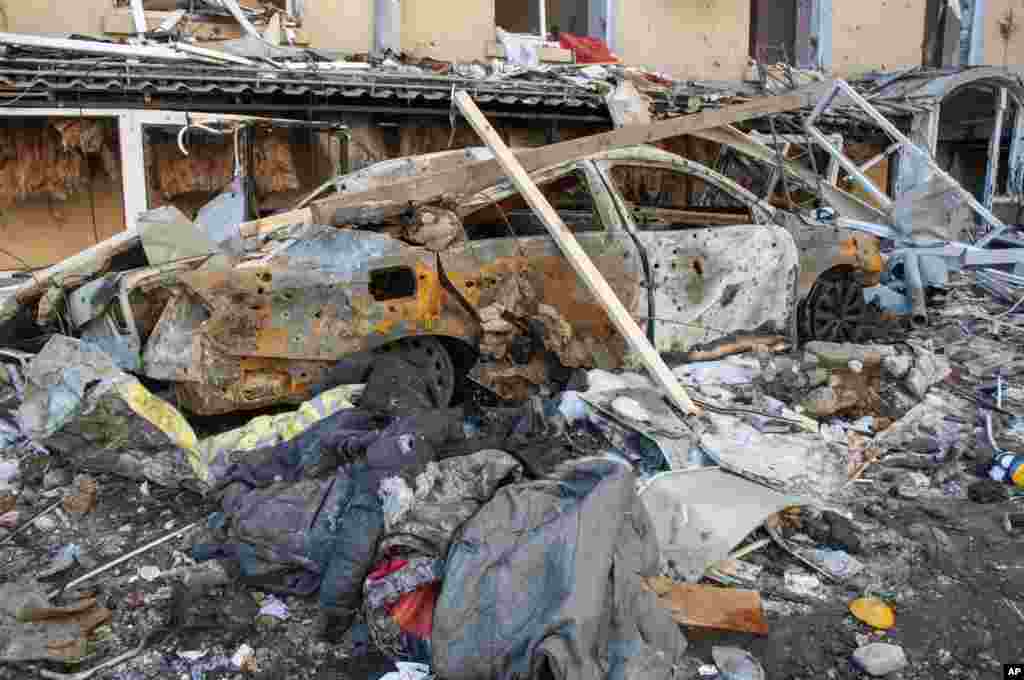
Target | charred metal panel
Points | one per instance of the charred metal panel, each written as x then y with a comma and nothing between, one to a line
242,383
168,354
312,301
479,270
722,282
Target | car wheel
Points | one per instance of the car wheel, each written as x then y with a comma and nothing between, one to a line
432,358
835,311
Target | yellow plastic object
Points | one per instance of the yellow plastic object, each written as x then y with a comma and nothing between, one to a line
271,430
164,416
261,431
873,612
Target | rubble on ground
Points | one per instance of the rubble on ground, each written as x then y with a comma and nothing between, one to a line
446,485
821,506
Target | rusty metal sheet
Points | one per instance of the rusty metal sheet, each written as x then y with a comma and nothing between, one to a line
168,352
222,384
478,270
312,300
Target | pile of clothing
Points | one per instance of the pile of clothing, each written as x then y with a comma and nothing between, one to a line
458,554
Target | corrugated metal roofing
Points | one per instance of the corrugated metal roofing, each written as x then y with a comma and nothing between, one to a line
120,77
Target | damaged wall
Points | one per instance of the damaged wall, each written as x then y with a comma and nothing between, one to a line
460,29
340,24
42,230
1003,40
60,188
689,38
884,35
456,30
693,39
54,16
287,164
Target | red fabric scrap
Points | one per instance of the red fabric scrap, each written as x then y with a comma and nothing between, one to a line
587,50
386,567
414,612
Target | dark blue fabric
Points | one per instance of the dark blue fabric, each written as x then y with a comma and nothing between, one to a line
279,515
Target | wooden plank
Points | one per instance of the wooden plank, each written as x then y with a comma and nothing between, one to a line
285,219
86,262
545,54
570,247
691,217
703,606
120,22
469,178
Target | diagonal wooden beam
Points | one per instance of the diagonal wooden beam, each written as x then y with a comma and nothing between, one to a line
469,177
574,253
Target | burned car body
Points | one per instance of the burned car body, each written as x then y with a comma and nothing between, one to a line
697,259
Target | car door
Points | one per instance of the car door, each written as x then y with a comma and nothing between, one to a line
506,243
719,271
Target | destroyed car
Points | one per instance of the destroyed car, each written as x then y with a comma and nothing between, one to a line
701,262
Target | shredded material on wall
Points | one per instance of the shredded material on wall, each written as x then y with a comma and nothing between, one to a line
52,159
210,165
85,134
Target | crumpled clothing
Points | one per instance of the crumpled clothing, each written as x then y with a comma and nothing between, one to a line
545,582
292,526
520,50
403,629
395,578
219,450
446,494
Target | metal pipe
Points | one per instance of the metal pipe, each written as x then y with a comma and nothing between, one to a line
213,55
123,558
841,86
93,47
139,18
243,21
387,26
915,289
988,415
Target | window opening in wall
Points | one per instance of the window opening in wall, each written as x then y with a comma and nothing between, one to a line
786,31
569,195
942,32
773,31
547,18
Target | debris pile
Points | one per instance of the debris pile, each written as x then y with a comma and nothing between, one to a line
370,428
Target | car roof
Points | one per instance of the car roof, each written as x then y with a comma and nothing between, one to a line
639,153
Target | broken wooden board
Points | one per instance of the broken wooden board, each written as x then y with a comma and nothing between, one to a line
119,23
574,253
703,606
467,178
85,264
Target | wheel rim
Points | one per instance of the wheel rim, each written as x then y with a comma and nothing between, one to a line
837,311
430,356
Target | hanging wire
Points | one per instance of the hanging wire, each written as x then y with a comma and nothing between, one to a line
92,201
781,160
